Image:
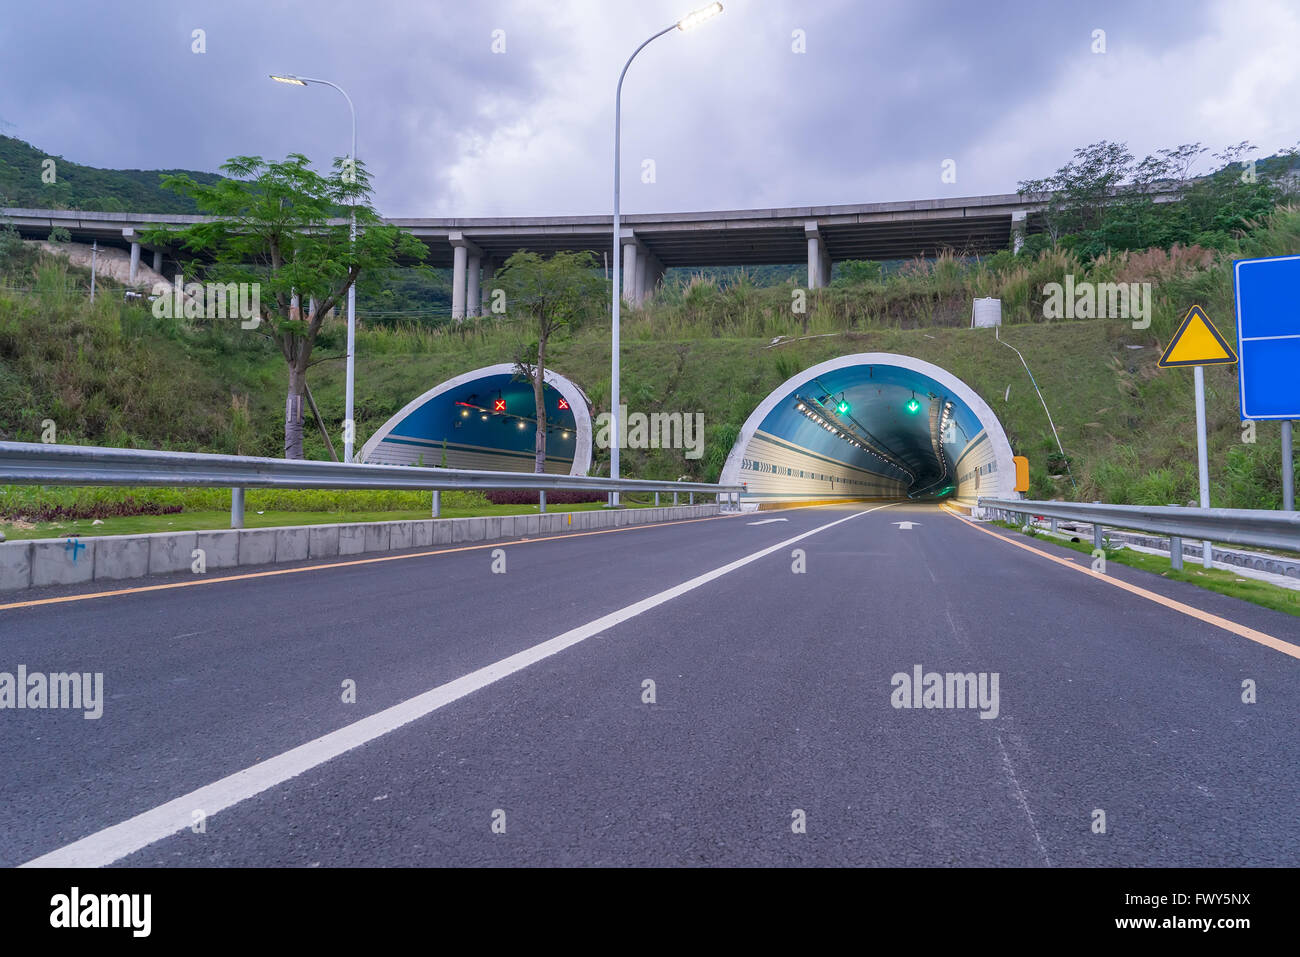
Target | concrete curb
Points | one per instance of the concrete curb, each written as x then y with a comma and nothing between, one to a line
34,563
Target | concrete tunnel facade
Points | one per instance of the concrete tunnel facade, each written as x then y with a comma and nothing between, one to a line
872,425
487,419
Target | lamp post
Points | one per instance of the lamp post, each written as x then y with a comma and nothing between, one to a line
688,22
349,425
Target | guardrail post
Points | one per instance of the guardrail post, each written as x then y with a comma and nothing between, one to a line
656,499
541,498
437,503
236,508
1176,552
1096,535
692,498
1052,526
674,498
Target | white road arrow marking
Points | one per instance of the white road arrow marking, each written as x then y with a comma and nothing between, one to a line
904,526
768,521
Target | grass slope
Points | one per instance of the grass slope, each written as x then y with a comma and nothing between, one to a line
112,374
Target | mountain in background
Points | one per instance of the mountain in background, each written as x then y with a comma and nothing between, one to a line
85,187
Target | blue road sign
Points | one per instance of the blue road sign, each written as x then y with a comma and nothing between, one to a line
1268,336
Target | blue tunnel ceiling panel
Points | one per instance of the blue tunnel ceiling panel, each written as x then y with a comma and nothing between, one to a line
880,425
487,420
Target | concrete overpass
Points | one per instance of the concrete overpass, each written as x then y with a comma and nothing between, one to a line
651,242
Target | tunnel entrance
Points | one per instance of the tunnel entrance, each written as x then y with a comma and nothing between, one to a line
872,425
487,419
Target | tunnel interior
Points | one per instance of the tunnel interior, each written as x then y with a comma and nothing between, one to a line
874,426
487,419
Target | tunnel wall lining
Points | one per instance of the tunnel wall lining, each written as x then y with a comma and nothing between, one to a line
998,481
576,398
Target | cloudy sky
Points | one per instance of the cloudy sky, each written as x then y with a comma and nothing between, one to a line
730,114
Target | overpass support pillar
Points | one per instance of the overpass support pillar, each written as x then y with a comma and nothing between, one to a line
631,263
129,234
819,260
462,251
1018,221
157,261
642,270
459,258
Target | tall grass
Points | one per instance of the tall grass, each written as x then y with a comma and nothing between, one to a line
112,374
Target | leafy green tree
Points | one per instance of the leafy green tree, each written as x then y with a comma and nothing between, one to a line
1105,200
551,296
282,225
854,272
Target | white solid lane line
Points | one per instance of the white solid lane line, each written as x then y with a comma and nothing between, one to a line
116,842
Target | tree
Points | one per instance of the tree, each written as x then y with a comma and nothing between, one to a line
282,228
551,295
1102,200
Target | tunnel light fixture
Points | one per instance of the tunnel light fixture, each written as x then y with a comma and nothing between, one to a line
696,17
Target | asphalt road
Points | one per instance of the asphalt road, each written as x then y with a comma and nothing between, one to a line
772,738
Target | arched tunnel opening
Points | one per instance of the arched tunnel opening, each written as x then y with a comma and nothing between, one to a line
487,419
872,426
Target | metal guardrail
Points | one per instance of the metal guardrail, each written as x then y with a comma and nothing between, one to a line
32,463
1233,526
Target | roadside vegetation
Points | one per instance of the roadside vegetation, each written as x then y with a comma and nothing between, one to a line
1223,581
717,342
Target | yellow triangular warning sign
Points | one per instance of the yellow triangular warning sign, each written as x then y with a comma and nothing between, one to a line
1197,343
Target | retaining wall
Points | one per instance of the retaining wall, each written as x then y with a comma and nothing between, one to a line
62,561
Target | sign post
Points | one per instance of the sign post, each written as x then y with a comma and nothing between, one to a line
1198,344
1268,327
1288,469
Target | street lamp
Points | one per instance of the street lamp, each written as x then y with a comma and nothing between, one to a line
349,425
688,22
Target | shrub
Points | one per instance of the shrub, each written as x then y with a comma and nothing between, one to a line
513,496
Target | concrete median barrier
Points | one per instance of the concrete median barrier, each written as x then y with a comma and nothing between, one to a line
36,563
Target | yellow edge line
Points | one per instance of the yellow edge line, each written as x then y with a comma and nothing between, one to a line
1277,644
359,561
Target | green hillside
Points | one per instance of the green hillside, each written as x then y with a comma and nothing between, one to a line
712,341
84,187
115,375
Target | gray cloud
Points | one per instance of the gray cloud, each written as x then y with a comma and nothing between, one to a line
729,114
